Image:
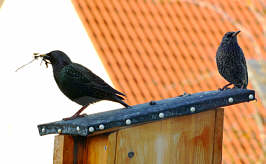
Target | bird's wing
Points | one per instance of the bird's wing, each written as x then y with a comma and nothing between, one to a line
243,61
85,77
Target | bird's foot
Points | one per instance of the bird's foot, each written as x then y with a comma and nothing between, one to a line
184,94
74,117
224,88
237,87
152,103
240,86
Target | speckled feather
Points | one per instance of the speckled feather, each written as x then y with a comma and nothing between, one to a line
231,61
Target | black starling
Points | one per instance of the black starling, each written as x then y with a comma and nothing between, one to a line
231,61
80,84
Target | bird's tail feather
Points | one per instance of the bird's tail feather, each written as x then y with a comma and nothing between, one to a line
120,93
120,99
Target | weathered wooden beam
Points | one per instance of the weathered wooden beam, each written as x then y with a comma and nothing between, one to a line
148,112
187,139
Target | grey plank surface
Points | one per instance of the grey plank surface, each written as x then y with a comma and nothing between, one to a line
148,112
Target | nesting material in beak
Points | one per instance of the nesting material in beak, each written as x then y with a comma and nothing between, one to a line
35,57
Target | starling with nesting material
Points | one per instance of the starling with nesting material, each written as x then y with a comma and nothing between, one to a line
231,61
80,84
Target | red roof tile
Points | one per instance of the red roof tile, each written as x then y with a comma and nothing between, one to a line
159,49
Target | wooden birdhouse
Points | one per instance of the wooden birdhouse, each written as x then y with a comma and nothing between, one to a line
187,129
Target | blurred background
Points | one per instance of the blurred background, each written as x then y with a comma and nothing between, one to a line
149,50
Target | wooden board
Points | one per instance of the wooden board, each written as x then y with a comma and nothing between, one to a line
58,149
187,139
63,149
97,149
191,139
149,112
80,150
218,136
111,148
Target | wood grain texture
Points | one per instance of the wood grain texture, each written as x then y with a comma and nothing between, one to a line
111,148
191,139
80,150
63,149
97,149
58,149
187,139
218,136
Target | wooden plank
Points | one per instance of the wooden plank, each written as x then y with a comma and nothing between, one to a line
187,139
58,149
97,149
148,112
80,150
63,149
111,148
68,149
218,136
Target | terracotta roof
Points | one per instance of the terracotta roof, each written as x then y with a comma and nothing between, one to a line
159,49
257,72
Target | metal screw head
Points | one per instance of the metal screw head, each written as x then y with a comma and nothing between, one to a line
59,131
101,127
130,154
128,121
161,115
251,97
192,109
78,129
230,100
43,130
91,129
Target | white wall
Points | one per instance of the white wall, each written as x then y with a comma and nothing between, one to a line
30,96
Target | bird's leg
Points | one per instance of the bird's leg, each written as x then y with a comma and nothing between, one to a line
237,86
225,87
77,114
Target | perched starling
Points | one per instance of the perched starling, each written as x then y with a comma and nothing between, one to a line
231,61
80,84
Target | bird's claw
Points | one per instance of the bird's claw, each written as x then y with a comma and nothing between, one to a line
224,88
184,94
74,117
